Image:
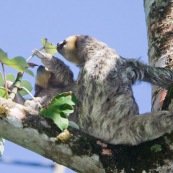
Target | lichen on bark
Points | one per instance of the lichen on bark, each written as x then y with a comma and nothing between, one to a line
159,19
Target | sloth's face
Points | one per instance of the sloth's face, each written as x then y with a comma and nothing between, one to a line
70,48
43,76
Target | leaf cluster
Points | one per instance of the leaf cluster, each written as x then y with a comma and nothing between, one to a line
18,63
48,47
11,78
60,108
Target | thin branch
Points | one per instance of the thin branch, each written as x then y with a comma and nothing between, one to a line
82,152
28,92
9,91
18,82
16,86
5,80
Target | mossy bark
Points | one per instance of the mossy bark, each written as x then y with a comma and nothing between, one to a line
159,20
81,152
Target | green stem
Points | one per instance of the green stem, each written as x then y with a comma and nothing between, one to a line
31,96
29,57
17,83
5,89
5,80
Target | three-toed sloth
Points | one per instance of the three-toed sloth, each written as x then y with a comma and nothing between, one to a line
106,107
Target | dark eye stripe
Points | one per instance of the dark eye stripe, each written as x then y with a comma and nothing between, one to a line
76,45
64,43
61,45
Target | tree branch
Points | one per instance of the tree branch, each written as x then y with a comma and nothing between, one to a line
81,152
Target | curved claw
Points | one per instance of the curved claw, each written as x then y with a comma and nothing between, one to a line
38,53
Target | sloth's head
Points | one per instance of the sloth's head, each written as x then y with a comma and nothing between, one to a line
78,49
73,47
43,76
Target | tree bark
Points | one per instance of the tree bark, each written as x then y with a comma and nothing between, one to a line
82,153
159,19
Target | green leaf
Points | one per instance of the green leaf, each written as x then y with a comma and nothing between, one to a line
27,85
59,109
48,47
10,77
2,93
3,55
24,83
66,108
156,148
59,118
66,97
18,63
60,121
1,80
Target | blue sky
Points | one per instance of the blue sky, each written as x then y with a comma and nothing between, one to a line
120,24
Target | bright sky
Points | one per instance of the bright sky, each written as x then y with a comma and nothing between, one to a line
120,24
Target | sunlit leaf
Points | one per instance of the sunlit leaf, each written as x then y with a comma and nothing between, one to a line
3,55
10,77
57,116
59,109
1,80
18,63
2,93
48,47
60,121
65,98
24,83
27,85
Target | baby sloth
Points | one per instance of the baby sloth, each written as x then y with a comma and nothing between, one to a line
106,107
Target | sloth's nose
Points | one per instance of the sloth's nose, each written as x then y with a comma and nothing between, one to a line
60,45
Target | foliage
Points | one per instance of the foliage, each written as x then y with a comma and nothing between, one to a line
2,92
48,47
60,108
62,105
10,77
18,63
156,148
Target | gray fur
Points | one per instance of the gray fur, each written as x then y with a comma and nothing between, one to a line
60,78
107,108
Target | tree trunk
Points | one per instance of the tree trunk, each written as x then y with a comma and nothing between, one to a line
82,153
159,19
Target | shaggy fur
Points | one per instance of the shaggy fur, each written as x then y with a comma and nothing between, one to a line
52,80
107,108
